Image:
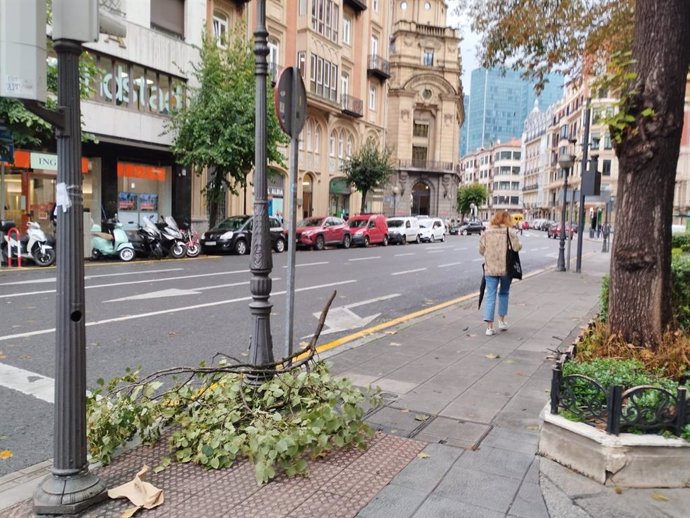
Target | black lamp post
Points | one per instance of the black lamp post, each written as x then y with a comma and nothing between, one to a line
566,160
261,263
396,193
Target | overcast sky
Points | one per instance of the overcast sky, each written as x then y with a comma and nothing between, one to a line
468,48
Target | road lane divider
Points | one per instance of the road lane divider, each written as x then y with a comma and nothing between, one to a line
364,258
27,382
449,264
125,318
409,271
88,277
401,255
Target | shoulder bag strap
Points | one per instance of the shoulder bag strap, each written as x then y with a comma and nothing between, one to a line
510,246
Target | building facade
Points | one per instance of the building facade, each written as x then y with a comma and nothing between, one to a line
499,104
425,111
127,167
535,162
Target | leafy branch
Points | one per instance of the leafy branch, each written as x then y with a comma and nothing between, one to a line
214,416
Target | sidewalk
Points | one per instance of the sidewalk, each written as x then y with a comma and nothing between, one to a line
460,428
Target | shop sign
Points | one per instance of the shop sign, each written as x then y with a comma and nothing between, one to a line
44,161
145,172
339,186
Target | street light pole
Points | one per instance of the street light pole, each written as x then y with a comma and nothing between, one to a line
566,160
581,211
261,262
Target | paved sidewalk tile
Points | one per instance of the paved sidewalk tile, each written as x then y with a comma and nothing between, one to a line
393,502
529,502
439,507
506,463
452,432
478,488
423,474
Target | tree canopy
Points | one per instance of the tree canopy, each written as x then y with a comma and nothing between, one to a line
471,194
368,169
216,131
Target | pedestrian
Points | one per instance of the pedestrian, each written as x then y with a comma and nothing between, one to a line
493,245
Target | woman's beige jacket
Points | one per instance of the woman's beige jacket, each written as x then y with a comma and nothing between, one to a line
493,245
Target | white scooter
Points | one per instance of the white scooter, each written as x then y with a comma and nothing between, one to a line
32,245
110,243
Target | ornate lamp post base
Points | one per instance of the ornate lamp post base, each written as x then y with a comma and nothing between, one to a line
68,494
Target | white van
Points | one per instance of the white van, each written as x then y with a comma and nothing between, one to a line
403,230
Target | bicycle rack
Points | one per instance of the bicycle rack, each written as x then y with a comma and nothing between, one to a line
14,230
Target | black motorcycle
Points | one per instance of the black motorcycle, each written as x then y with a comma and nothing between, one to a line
158,240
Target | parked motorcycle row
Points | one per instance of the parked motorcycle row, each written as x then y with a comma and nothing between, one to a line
109,240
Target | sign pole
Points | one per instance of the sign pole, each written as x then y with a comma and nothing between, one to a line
291,104
2,192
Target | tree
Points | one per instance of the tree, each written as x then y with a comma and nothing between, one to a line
542,35
216,132
368,169
471,194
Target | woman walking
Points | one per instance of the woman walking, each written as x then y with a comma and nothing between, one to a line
493,245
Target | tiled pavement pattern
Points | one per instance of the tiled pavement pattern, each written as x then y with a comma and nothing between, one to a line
471,405
338,485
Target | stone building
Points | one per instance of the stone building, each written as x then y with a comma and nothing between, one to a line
425,111
341,49
535,162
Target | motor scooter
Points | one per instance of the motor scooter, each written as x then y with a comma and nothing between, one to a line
172,240
110,240
33,245
191,238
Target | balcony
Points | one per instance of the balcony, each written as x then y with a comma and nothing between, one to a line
357,5
351,106
326,95
379,67
532,187
427,165
274,70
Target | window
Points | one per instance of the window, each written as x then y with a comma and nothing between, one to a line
419,156
302,63
420,129
323,76
220,27
372,97
345,84
374,45
325,18
607,141
428,58
331,143
168,16
606,168
347,29
595,141
341,144
350,146
375,5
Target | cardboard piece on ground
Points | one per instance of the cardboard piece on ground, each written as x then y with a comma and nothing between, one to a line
140,493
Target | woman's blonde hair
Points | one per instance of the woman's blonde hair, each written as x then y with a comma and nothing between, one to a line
502,218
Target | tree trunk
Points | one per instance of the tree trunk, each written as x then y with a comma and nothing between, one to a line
639,300
213,192
364,201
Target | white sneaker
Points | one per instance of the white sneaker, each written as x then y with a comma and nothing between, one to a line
503,325
490,332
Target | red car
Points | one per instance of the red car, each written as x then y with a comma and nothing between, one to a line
317,233
369,229
554,231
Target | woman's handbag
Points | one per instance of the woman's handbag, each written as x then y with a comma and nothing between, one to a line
513,266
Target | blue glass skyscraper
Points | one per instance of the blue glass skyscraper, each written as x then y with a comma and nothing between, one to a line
498,105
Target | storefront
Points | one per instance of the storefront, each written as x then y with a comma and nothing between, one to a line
339,198
143,192
29,187
276,194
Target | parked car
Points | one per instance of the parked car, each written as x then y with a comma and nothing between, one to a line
369,229
436,229
234,234
317,233
473,227
403,230
554,230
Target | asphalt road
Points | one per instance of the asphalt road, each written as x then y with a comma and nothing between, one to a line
171,313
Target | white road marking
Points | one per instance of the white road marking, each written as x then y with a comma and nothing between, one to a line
174,292
308,264
401,255
460,249
26,294
87,277
434,251
365,258
343,319
409,271
448,264
545,248
435,247
171,311
26,382
477,259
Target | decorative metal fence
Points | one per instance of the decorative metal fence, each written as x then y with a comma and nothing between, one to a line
641,409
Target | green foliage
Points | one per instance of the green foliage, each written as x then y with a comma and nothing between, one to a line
469,194
680,290
685,433
217,130
613,371
681,241
279,426
368,169
604,299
